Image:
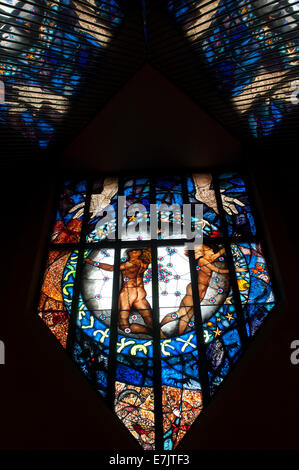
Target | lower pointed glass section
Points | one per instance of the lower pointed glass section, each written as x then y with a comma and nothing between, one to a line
134,389
181,389
135,407
181,408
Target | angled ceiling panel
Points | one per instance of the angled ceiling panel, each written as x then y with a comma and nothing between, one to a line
50,51
62,60
247,50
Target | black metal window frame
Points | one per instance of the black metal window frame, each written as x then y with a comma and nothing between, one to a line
117,245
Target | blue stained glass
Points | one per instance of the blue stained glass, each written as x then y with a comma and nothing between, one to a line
222,353
137,190
264,120
183,360
169,191
246,42
92,359
134,371
181,371
252,273
232,342
170,219
224,368
255,315
42,64
27,117
142,364
137,209
236,205
216,325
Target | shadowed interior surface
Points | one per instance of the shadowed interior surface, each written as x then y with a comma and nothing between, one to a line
168,125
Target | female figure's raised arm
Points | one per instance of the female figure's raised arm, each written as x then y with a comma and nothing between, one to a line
219,253
217,270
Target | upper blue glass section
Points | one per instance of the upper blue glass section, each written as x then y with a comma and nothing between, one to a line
45,48
252,49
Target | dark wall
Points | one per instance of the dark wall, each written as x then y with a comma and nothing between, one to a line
45,402
150,124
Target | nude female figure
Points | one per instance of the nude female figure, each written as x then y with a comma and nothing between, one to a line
132,293
206,257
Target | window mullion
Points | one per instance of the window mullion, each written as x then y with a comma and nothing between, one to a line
80,262
112,360
50,245
157,354
156,327
202,359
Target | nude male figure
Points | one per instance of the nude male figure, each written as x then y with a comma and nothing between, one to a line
132,293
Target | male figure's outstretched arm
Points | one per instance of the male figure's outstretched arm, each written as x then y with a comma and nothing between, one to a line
106,267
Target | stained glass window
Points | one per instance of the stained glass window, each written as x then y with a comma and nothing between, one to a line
52,49
154,323
47,47
251,49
